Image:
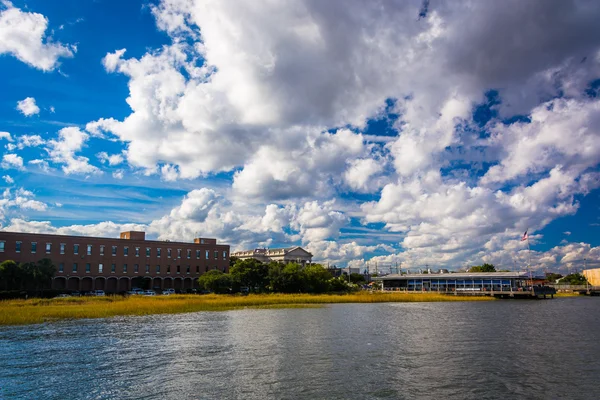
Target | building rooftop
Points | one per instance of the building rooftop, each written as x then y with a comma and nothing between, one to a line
456,275
128,236
269,252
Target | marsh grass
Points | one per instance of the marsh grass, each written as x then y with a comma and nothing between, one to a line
567,294
34,311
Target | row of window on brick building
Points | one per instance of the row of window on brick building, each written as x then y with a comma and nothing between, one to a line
89,250
113,268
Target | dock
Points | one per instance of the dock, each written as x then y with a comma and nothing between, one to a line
540,292
586,290
537,292
591,291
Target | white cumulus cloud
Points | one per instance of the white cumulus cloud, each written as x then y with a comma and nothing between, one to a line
29,141
12,161
28,107
285,106
19,200
23,35
42,164
6,135
112,159
62,151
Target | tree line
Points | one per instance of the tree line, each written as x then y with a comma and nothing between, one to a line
483,268
23,276
571,279
253,276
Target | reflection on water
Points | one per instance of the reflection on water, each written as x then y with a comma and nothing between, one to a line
502,349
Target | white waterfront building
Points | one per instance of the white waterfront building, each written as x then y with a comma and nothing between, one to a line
285,255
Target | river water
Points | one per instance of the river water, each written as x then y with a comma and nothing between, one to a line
473,350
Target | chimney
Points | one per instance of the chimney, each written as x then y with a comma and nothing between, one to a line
133,235
205,241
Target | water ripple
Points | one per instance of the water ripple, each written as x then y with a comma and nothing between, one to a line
495,350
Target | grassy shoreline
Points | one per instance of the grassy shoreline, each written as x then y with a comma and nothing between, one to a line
567,294
35,311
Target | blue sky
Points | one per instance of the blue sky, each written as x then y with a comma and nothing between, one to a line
365,134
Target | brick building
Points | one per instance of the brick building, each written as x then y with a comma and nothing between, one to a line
116,265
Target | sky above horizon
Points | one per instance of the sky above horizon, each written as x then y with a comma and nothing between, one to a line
403,133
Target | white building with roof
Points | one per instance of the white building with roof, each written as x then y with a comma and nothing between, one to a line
285,255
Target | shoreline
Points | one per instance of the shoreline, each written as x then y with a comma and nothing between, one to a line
37,311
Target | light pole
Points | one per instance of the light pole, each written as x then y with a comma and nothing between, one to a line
587,282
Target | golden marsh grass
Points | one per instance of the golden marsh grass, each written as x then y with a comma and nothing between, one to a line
566,294
34,311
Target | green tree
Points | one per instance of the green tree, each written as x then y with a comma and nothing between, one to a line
483,268
251,273
286,278
232,261
316,279
357,279
28,275
552,277
43,273
339,284
10,275
217,282
275,276
574,279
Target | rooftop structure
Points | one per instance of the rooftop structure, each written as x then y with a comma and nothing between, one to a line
458,275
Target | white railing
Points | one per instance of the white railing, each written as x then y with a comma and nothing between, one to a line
567,287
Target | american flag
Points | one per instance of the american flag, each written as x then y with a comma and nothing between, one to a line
525,237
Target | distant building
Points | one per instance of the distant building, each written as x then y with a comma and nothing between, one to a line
116,265
457,282
592,276
285,255
349,270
